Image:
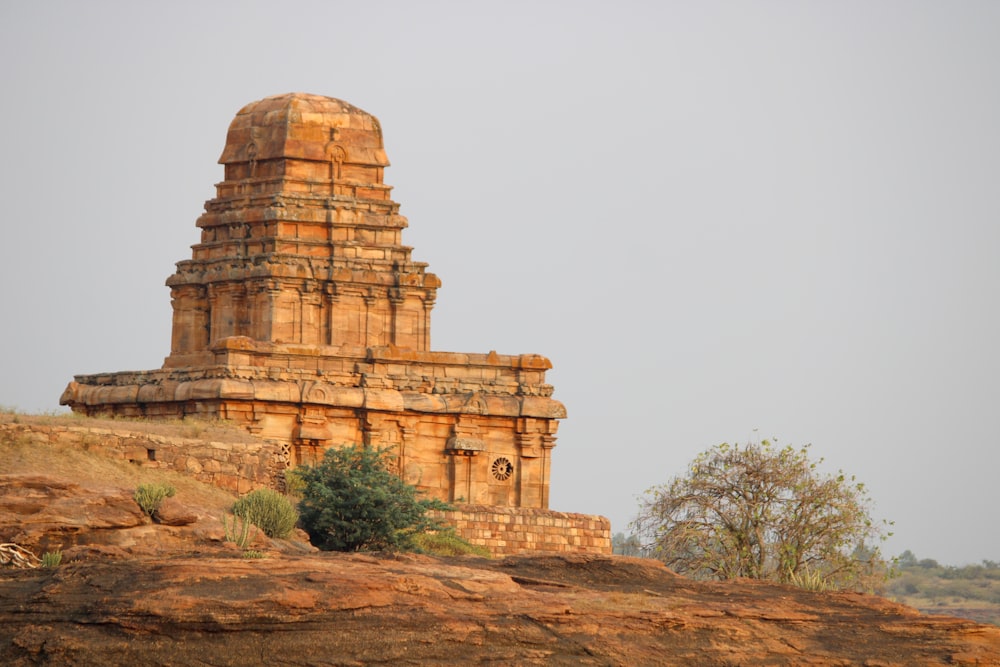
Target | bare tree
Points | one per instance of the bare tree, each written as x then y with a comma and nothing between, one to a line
761,512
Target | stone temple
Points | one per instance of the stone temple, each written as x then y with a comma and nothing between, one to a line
302,317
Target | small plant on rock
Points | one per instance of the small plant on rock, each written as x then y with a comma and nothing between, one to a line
51,559
239,532
149,496
269,510
809,580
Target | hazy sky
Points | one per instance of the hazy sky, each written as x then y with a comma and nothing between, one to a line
720,221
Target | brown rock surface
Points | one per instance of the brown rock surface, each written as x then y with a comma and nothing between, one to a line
353,609
135,592
172,512
41,510
48,513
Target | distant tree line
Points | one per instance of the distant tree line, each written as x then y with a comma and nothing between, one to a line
925,578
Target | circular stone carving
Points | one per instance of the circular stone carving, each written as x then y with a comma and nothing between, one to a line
502,468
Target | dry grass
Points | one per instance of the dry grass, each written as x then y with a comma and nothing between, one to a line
218,431
25,456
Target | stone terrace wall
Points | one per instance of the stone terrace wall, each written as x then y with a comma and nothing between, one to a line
512,530
239,466
243,465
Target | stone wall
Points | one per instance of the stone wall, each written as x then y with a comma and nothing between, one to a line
236,465
512,530
450,417
241,465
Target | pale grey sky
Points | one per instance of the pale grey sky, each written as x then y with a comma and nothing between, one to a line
714,217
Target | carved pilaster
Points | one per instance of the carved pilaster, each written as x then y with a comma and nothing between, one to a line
190,319
369,337
369,436
270,318
396,301
425,329
311,298
330,300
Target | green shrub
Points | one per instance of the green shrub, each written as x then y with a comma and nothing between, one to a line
51,558
446,542
351,502
253,554
269,510
149,496
238,532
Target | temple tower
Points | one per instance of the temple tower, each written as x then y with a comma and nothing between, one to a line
302,243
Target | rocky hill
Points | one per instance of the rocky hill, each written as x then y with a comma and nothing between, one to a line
175,592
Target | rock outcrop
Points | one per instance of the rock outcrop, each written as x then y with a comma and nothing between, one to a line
131,591
354,609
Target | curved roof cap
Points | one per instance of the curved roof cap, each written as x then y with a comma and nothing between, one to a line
307,127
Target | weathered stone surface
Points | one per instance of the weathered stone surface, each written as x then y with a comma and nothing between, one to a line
39,511
351,609
48,513
303,318
172,512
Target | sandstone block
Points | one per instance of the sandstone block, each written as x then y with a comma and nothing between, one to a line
172,512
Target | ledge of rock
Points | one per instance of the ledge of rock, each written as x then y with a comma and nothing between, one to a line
131,591
353,609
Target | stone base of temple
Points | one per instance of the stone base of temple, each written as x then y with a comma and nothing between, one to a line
506,531
473,428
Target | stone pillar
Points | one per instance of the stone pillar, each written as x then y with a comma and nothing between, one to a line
266,304
407,436
528,442
311,329
238,304
424,340
348,315
369,436
396,312
330,300
220,312
460,475
371,329
548,442
263,297
466,472
190,319
281,318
